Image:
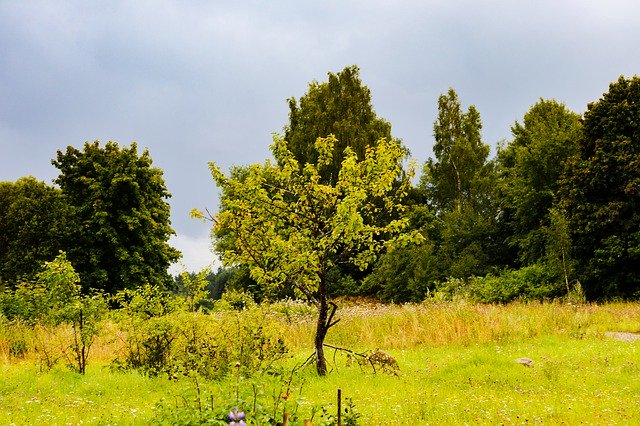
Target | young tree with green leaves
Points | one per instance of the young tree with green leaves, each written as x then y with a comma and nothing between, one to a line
291,227
601,194
122,219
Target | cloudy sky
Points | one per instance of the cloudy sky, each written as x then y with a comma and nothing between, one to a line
198,81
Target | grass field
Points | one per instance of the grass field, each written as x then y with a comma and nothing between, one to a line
457,366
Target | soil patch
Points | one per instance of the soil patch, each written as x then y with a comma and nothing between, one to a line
623,336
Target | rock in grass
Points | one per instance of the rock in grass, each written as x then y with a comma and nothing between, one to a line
527,362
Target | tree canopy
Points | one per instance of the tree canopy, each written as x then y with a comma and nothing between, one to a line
122,219
341,107
601,194
459,185
531,166
35,224
455,178
291,227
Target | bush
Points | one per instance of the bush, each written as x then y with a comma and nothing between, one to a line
164,339
403,275
235,300
534,282
55,299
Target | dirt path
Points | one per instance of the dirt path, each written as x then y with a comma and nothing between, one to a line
623,336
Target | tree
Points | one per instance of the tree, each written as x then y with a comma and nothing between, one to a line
601,194
457,177
290,227
460,186
122,218
340,107
35,222
530,167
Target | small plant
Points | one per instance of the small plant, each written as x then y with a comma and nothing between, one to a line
55,299
263,400
235,300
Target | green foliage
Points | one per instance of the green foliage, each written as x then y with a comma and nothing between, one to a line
467,243
533,282
292,229
458,175
47,298
601,195
404,275
165,336
340,107
235,300
35,223
122,219
54,299
143,316
28,302
459,184
194,289
531,166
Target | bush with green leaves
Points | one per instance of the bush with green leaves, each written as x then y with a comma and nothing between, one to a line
533,282
143,316
55,299
165,336
235,300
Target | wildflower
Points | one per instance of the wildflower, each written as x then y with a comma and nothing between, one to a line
236,418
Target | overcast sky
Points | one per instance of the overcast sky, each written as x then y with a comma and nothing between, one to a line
199,81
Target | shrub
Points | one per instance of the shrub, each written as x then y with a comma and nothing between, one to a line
235,300
534,282
164,339
55,299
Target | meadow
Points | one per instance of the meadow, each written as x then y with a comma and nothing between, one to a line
457,365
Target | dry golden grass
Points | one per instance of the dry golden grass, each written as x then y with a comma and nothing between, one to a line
367,325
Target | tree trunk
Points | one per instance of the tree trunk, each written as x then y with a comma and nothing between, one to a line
326,311
321,332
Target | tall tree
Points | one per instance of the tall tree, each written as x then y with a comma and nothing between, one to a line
457,176
290,227
459,184
341,107
530,167
601,194
35,222
122,224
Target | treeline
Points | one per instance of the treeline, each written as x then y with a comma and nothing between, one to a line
107,212
554,213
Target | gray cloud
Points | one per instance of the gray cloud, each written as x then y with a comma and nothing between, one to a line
202,81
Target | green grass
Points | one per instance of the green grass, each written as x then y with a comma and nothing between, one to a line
573,381
63,397
457,366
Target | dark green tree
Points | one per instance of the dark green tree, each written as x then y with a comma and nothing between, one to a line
530,167
458,175
122,218
459,185
601,194
342,107
35,222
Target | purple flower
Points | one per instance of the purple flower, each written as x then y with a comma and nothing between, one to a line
236,418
